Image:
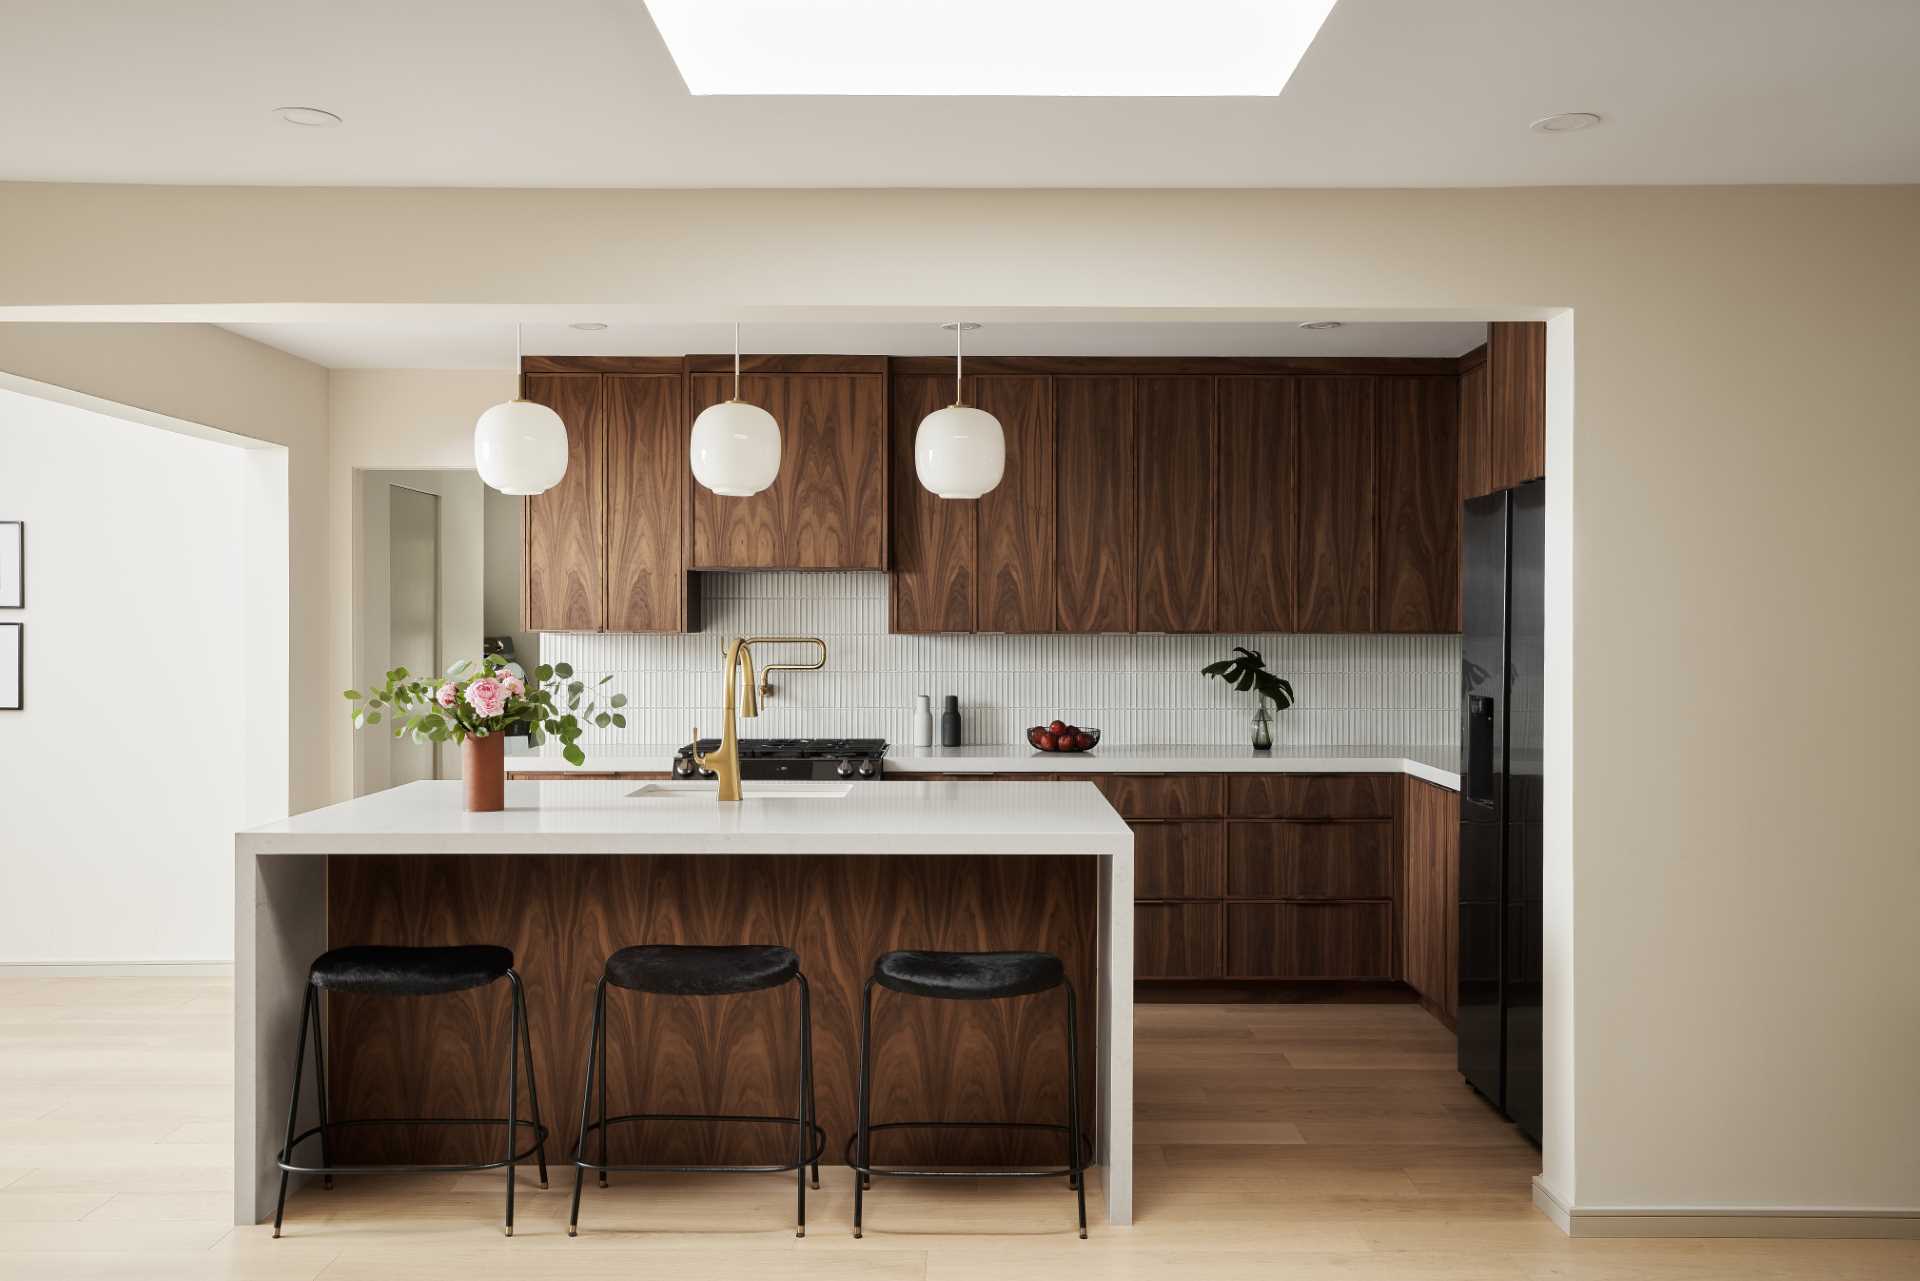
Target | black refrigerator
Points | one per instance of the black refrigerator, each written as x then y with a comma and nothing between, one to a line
1501,698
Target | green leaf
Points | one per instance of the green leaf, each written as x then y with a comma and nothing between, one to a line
619,721
373,718
1215,669
400,673
544,672
359,720
563,670
1245,682
618,700
574,755
602,720
353,694
459,665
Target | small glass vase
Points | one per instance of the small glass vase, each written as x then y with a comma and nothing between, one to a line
1263,728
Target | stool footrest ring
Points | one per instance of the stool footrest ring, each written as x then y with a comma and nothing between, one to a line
899,1172
819,1144
541,1134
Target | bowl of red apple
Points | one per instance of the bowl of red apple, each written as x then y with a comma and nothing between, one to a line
1059,736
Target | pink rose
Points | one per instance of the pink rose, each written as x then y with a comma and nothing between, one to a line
514,686
447,695
486,697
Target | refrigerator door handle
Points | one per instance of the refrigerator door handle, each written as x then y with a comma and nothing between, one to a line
1479,772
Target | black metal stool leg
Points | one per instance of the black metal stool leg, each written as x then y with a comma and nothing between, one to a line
1078,1180
803,1107
813,1103
861,1138
320,1083
293,1106
603,1088
513,1087
586,1103
533,1084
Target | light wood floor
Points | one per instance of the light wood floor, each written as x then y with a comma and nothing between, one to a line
1275,1142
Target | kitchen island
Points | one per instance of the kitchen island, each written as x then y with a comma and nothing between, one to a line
572,870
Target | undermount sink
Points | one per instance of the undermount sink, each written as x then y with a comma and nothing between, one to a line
750,790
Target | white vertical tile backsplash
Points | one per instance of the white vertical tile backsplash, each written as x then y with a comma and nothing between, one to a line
1349,690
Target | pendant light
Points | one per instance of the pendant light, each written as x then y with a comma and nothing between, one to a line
960,451
736,446
520,447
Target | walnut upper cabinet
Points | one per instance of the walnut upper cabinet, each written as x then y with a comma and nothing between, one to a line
935,581
827,509
605,548
1339,497
1419,488
564,585
1176,434
1096,556
1516,403
1258,511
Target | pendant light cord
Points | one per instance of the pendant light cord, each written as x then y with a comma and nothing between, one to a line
519,363
959,332
736,360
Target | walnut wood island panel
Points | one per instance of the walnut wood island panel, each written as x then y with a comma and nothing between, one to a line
573,870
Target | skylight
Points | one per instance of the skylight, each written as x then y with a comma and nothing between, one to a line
989,48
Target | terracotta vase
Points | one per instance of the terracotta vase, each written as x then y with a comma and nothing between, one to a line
483,766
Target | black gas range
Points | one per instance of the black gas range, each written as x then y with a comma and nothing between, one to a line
795,758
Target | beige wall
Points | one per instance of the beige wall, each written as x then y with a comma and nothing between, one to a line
1735,1003
388,419
203,375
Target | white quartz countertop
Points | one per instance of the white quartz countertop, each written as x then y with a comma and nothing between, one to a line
1438,765
601,816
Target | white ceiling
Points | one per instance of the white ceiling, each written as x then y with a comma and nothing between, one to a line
581,93
488,344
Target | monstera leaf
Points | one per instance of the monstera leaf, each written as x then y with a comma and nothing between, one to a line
1249,672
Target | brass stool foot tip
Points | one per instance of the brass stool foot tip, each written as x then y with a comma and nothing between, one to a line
603,1180
799,1232
1083,1234
572,1231
276,1234
856,1234
509,1229
543,1185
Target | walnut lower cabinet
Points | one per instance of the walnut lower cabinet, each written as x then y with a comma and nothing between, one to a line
1251,879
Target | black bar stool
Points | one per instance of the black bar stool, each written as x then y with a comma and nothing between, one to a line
411,971
966,976
671,970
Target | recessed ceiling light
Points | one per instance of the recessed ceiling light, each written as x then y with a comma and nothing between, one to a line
587,326
1565,122
1321,324
989,48
307,117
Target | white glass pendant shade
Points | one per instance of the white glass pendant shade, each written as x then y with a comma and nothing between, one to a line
960,452
520,448
736,448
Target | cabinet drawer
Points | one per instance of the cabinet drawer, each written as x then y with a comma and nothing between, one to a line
1310,860
1312,795
1179,860
1310,940
1177,940
1165,795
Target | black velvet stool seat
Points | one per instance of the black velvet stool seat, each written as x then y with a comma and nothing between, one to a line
966,976
412,971
674,970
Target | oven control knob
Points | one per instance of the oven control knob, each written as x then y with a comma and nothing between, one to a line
868,769
844,769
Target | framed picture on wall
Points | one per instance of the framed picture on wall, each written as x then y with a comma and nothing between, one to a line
13,670
13,564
